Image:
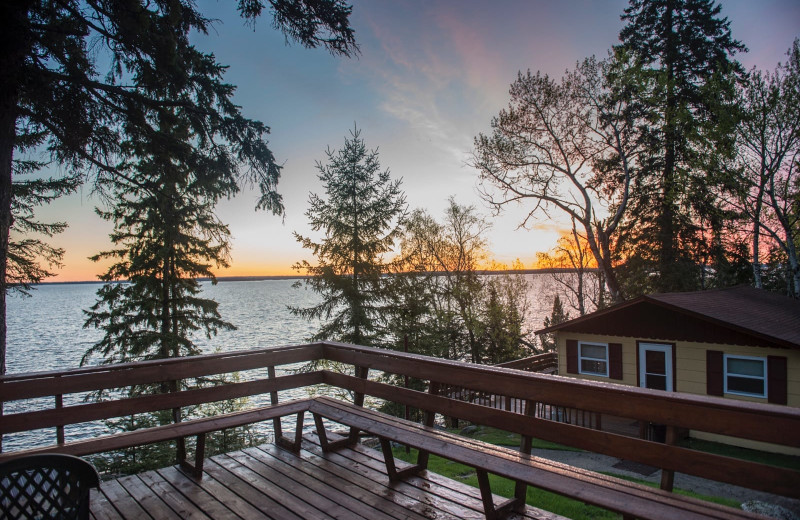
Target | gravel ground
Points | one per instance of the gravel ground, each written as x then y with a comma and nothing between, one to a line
605,464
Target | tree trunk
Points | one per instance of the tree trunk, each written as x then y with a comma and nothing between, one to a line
666,219
15,42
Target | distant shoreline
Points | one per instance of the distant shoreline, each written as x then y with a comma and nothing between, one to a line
303,277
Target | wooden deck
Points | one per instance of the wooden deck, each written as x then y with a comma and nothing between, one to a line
270,482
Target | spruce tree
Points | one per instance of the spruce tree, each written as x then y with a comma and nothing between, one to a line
78,76
167,237
359,218
685,79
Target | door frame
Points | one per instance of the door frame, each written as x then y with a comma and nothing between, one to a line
661,346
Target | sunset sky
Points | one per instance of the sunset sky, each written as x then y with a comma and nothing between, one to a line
430,76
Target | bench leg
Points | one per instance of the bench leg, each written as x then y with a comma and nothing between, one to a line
286,443
493,513
196,469
391,469
328,446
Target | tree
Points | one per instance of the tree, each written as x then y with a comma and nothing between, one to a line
440,301
360,219
684,84
54,97
574,271
768,146
568,148
557,316
167,236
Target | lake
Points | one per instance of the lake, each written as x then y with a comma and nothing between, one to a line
45,331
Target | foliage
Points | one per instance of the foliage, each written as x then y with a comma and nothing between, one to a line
681,79
56,98
574,273
28,255
557,316
440,303
768,150
568,148
359,218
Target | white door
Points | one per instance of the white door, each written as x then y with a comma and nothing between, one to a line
655,366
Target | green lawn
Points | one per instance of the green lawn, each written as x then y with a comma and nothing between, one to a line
762,457
536,497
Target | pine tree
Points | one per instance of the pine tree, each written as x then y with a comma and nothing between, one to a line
685,83
167,236
359,217
61,93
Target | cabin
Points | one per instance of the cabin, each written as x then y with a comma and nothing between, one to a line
739,343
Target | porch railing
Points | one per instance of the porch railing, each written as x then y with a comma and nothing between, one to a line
759,422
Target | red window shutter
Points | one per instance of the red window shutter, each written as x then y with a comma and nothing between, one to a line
572,356
714,372
776,375
615,360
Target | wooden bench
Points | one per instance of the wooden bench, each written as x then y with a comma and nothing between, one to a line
630,499
191,428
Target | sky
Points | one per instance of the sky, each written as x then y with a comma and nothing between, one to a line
429,78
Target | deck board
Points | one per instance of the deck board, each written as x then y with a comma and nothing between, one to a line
268,482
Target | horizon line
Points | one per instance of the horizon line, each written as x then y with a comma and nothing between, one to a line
254,278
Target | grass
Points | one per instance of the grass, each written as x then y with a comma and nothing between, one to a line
762,457
504,438
536,497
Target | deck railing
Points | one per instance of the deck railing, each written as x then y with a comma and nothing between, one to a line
542,363
760,422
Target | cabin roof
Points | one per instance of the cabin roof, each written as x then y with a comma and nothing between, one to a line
739,315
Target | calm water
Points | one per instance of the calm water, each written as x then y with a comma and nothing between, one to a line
45,331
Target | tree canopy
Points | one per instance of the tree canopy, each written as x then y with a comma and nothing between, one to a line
80,76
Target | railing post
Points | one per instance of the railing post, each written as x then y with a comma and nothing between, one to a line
526,442
59,404
60,427
668,475
430,418
277,428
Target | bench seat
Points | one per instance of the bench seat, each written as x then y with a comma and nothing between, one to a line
631,499
190,428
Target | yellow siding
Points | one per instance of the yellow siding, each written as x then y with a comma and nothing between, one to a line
690,361
690,372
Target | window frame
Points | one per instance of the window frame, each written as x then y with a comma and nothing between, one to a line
581,357
725,375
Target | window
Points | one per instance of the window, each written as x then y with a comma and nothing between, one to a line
746,375
593,359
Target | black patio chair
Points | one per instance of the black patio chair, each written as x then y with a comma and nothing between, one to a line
51,486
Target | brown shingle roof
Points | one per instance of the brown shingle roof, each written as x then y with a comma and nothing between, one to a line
747,308
767,318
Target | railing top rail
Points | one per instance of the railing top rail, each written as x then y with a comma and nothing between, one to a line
705,413
39,384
